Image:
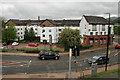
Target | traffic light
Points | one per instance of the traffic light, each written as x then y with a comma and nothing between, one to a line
73,52
78,51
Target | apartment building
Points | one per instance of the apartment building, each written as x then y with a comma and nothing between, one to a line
43,28
94,31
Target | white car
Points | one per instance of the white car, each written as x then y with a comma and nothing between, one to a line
15,44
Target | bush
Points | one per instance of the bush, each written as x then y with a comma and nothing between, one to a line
29,50
86,47
56,49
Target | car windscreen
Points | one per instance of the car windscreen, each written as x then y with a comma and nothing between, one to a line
95,57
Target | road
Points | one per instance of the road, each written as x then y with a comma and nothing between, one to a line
32,65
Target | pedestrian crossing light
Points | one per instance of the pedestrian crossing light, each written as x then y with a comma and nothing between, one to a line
109,52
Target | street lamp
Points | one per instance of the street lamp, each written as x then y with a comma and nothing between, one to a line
107,42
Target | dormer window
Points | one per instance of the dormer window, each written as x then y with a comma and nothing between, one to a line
49,25
43,25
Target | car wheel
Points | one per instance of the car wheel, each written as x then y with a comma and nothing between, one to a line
56,58
43,58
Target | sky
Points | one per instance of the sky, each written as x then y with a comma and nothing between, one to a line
57,9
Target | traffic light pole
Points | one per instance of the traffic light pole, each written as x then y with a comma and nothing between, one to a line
70,55
107,43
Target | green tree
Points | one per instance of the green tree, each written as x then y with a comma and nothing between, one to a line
26,35
9,34
31,34
69,38
117,29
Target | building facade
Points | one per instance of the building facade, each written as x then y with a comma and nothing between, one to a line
43,28
93,29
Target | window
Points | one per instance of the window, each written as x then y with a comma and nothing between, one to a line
43,25
35,28
18,29
21,28
49,30
18,33
43,31
101,41
43,35
96,33
101,33
91,33
21,32
103,27
49,25
94,28
21,37
36,33
96,42
59,29
91,42
104,40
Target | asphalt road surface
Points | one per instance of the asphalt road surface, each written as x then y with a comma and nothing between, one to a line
32,65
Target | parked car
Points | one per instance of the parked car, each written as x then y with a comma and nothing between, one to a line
5,43
44,54
3,48
98,59
33,44
113,37
117,46
15,43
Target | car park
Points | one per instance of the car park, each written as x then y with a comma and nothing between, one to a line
98,59
45,54
117,46
33,44
15,43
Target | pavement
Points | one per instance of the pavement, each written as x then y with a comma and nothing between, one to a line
66,53
61,75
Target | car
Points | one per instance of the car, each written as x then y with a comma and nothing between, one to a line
5,43
117,46
98,59
44,54
3,48
15,43
33,44
113,37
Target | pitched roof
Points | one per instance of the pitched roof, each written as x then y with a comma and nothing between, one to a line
55,22
96,20
65,22
17,21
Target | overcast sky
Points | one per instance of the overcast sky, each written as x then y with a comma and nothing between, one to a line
56,9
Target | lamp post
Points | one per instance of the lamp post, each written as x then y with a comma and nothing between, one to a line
107,42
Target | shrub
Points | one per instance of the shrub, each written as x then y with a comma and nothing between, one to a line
29,50
56,49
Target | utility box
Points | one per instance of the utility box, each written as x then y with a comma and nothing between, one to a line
94,69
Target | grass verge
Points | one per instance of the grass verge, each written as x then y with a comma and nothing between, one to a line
100,74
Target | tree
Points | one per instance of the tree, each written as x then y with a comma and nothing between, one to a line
9,34
31,34
26,36
69,38
117,29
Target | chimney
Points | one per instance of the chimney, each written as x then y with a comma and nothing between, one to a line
38,17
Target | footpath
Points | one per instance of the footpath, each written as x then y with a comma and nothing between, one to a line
74,74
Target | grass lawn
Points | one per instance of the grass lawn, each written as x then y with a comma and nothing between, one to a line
100,74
